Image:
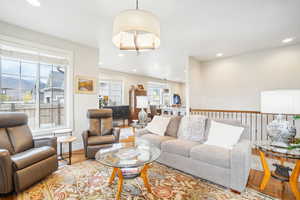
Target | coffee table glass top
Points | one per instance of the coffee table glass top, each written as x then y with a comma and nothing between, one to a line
127,155
265,146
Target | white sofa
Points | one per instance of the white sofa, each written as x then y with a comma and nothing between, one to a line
229,168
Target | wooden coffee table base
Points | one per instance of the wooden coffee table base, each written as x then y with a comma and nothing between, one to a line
293,180
118,171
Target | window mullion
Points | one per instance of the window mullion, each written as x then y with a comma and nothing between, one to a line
20,80
1,90
37,96
51,103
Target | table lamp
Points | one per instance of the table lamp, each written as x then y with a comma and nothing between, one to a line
280,102
142,103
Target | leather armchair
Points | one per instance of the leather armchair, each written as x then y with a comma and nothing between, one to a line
101,134
23,160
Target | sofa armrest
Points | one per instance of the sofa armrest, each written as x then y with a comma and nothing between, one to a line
46,141
240,165
85,136
6,173
116,132
141,132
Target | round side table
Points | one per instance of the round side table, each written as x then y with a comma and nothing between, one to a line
282,172
66,140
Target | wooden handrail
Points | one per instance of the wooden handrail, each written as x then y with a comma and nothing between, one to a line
230,111
235,111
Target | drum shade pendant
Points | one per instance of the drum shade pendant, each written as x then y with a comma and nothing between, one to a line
137,30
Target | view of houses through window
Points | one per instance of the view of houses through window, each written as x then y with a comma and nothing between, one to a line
33,87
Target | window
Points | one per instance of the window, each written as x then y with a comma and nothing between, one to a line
158,94
113,90
34,85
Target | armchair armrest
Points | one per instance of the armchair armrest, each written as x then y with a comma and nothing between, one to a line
6,173
47,141
116,133
240,165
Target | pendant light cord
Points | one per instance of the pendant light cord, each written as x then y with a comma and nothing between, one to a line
137,5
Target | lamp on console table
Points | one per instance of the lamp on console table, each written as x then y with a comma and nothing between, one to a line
281,102
142,103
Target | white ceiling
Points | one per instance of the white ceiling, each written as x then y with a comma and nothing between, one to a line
199,28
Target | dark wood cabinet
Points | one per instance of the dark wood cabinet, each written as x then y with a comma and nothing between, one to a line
120,112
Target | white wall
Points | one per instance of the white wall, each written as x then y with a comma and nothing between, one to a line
235,83
85,64
194,74
131,79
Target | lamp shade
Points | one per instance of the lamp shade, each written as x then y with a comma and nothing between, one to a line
141,101
136,30
280,101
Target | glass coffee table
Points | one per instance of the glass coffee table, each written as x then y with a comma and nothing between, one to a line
129,160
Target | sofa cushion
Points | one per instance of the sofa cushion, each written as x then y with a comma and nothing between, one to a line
158,125
156,140
31,156
96,140
20,137
173,126
224,135
4,141
179,147
192,128
213,155
245,134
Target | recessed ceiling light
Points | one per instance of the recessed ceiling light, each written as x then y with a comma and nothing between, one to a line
35,3
134,70
100,63
219,54
287,40
120,55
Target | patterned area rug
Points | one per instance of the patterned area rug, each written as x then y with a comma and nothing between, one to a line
89,180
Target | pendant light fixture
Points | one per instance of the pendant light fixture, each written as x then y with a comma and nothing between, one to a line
136,30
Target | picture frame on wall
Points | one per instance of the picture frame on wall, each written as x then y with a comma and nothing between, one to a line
85,85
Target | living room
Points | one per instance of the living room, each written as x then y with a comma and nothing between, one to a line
64,74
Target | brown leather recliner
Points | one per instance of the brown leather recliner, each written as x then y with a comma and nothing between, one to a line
100,133
23,160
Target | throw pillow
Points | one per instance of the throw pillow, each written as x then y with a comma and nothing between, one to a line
173,126
192,128
158,125
224,135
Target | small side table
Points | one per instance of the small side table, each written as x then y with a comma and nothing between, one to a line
66,140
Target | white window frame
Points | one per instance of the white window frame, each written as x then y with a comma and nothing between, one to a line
113,80
69,78
161,86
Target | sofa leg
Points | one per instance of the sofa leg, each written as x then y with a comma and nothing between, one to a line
235,191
